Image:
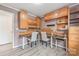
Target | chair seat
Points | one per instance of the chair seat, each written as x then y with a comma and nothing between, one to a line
28,39
33,38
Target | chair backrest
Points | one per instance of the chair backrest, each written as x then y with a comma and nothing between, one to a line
34,36
44,36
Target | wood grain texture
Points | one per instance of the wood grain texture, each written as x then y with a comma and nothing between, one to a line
56,14
74,40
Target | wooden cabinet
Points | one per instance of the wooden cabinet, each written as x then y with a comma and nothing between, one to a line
60,16
50,16
23,19
62,12
38,21
56,14
74,40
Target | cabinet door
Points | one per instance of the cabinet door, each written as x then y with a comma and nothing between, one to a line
49,16
56,14
63,12
38,21
22,16
73,40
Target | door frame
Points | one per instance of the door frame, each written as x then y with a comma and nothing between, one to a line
13,29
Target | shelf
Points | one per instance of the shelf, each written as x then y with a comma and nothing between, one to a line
61,23
33,27
22,30
51,25
62,17
55,18
59,45
74,19
74,12
61,38
61,29
73,22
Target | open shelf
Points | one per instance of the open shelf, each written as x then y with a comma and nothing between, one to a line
55,18
62,29
51,25
74,19
74,12
73,22
61,23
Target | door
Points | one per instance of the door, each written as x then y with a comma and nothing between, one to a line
6,27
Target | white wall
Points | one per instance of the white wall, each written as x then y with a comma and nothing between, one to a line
6,31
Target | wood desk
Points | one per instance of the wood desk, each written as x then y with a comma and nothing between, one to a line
53,37
25,36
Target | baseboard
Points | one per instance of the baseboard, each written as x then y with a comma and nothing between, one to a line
18,45
5,44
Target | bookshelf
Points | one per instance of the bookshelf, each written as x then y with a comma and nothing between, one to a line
61,25
62,29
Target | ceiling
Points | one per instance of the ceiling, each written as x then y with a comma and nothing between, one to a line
37,9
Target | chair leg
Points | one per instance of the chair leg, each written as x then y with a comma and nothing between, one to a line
46,44
42,42
28,42
35,42
56,44
31,44
23,43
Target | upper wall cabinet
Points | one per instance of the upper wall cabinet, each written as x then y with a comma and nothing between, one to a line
57,14
38,21
49,16
24,20
62,12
